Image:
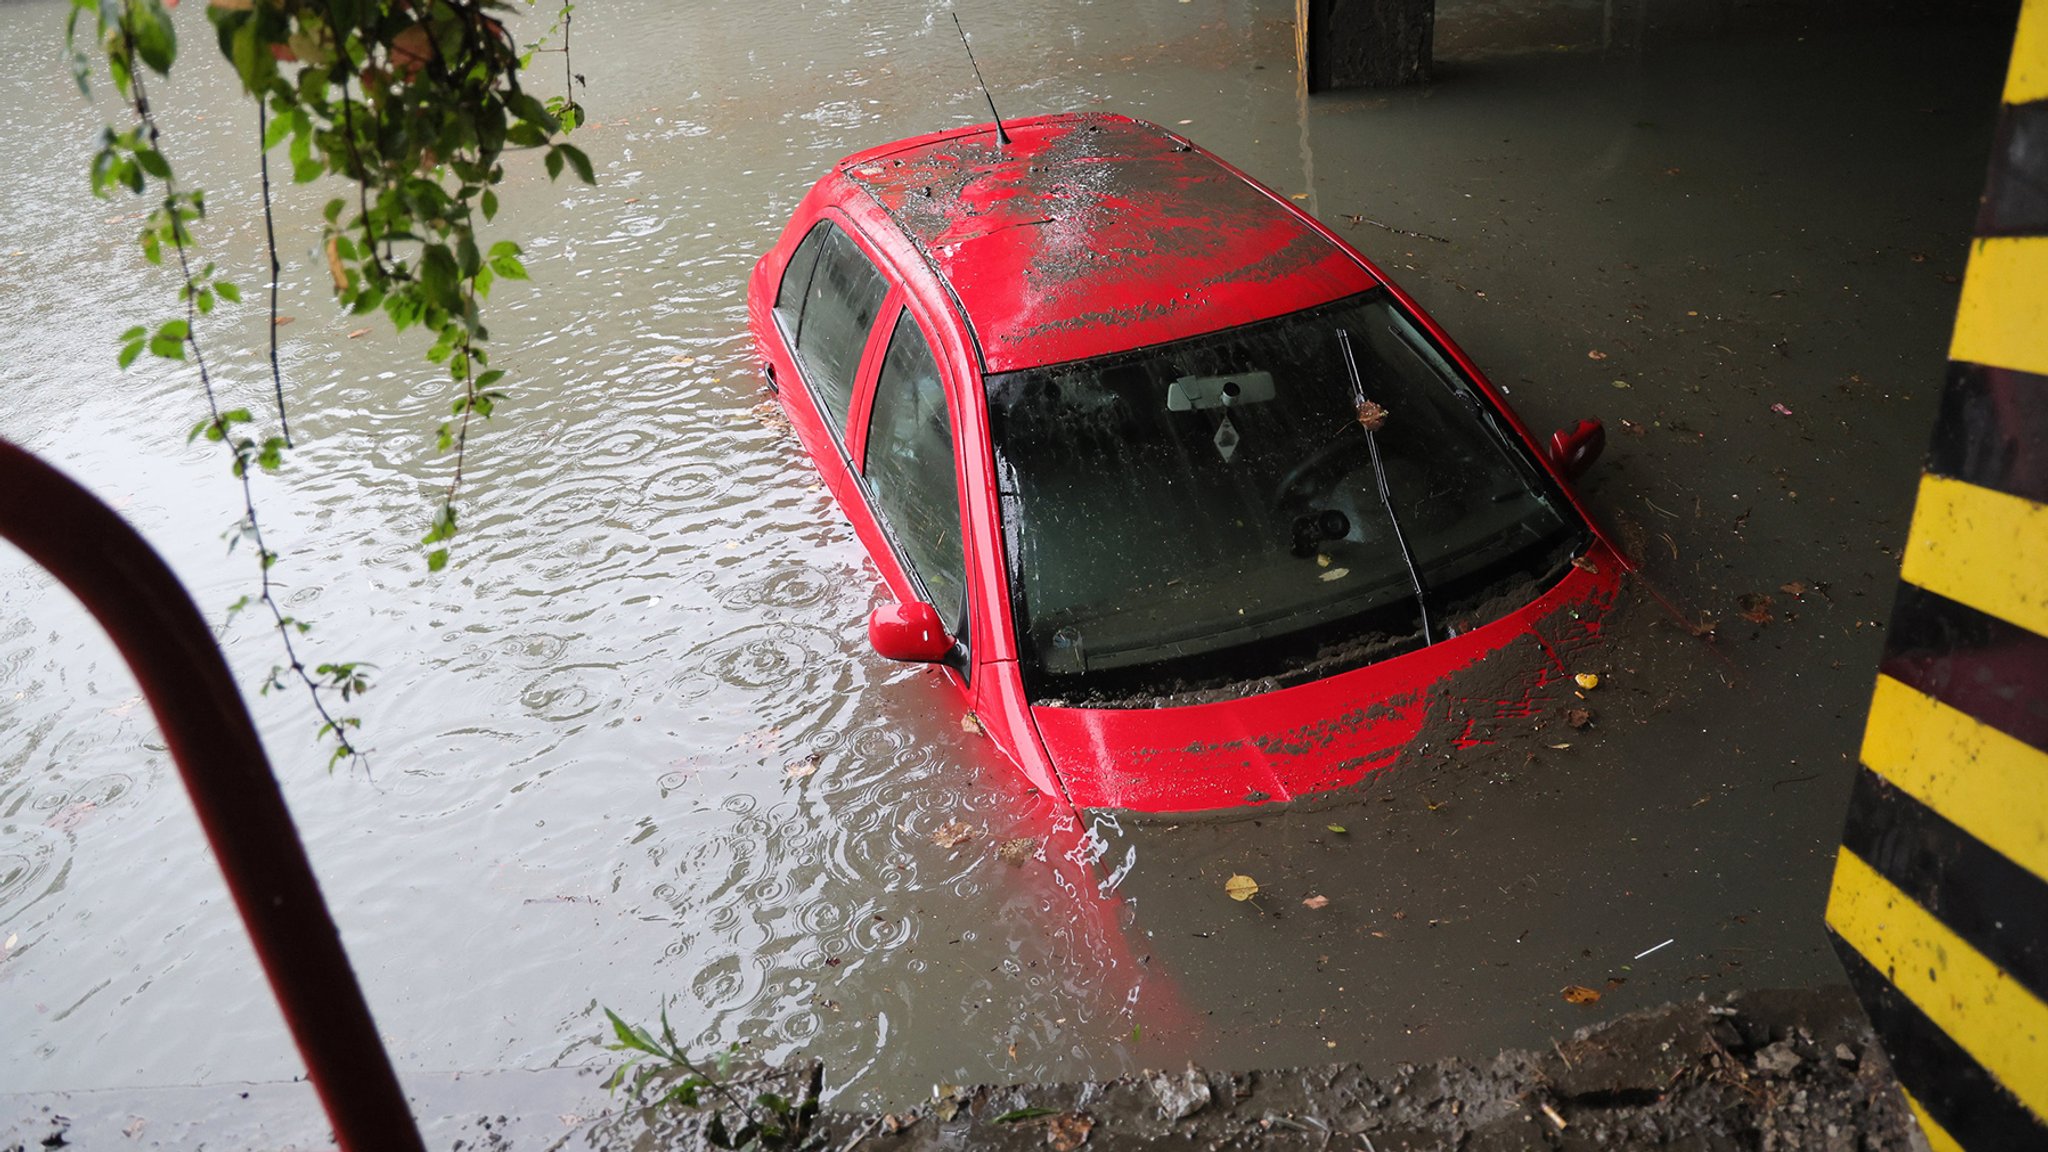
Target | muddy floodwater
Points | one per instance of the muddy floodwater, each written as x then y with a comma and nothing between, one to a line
1734,233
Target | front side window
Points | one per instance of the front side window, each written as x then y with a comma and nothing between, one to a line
1205,517
796,278
839,309
909,470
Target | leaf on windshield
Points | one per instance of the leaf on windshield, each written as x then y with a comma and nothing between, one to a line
1241,888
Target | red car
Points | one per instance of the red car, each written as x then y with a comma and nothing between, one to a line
1194,506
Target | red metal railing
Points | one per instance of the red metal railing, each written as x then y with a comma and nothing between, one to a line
134,596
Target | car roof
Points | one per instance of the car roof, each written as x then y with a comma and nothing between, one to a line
1088,234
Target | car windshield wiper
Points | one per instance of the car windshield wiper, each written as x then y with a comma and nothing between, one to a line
1370,417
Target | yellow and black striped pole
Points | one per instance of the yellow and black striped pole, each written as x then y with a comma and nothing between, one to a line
1940,901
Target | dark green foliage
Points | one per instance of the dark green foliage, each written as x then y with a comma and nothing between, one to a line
415,103
768,1121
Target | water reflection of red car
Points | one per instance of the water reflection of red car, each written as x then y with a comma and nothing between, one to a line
1193,505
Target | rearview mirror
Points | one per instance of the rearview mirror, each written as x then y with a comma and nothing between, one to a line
1574,450
909,632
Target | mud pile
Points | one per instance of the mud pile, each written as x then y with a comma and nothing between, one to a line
1776,1071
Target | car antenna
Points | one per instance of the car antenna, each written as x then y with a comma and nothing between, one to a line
1371,417
1002,137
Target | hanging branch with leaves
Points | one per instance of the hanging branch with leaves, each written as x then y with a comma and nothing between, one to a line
415,102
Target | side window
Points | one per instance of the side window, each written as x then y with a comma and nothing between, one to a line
839,308
909,470
796,279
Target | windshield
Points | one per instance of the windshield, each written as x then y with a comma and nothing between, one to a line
1204,516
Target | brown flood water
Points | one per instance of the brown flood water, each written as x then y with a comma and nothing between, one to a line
1670,216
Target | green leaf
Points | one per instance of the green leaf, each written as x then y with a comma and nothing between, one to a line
1016,1114
153,162
228,291
273,135
438,276
490,203
173,330
532,111
684,1093
437,559
629,1037
554,162
578,161
155,40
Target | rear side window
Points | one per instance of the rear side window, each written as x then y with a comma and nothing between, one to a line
839,308
796,279
909,470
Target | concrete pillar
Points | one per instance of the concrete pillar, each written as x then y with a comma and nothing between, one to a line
1363,43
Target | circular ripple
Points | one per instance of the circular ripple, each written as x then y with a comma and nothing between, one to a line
795,587
567,693
727,981
787,660
536,650
821,918
28,857
693,483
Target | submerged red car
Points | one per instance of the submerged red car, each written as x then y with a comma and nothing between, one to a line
1195,507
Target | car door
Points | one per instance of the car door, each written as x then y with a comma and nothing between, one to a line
830,294
909,471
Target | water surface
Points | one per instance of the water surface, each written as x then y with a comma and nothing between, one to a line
580,792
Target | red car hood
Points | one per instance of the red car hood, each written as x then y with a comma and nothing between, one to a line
1332,732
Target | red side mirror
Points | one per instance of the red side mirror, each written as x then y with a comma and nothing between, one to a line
1574,450
909,632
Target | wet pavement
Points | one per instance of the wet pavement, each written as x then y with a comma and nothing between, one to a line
1733,233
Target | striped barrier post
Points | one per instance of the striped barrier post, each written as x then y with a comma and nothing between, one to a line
1940,903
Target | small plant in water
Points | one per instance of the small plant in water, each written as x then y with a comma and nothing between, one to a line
769,1120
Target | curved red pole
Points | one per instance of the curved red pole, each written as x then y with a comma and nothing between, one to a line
134,596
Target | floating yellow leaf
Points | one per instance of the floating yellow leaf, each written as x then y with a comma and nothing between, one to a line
801,769
1587,680
1241,887
335,267
1339,829
1580,994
